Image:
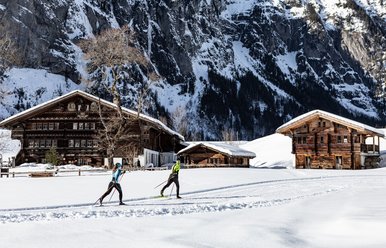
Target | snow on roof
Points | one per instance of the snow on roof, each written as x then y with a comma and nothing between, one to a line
332,117
221,147
94,98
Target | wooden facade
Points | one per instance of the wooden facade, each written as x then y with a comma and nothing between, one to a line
208,154
321,140
71,123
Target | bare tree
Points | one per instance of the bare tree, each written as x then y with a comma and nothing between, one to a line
130,150
109,53
3,143
229,135
9,54
180,121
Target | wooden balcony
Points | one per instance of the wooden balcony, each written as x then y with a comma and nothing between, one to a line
370,148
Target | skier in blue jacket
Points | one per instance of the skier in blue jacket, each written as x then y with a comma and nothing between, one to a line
117,171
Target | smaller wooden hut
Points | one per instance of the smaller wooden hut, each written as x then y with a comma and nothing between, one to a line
215,154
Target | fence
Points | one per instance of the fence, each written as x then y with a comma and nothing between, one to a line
69,172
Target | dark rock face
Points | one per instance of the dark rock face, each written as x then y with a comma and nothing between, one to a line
37,28
246,66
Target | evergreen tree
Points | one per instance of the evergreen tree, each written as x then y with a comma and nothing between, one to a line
52,156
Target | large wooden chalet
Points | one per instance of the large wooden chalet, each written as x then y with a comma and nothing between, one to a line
215,154
71,123
327,141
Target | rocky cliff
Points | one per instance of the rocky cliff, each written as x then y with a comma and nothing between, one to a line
226,66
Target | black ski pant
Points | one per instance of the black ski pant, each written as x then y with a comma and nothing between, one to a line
172,179
112,185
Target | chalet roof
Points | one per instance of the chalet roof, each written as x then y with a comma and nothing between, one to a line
220,147
299,121
30,112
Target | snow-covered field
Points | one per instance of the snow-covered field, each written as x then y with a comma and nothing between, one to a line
220,207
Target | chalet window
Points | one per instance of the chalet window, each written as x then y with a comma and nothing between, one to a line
42,143
54,143
37,143
75,126
94,106
87,107
71,143
81,126
57,125
322,139
33,126
324,124
319,124
77,143
89,143
79,107
95,143
304,140
39,126
71,106
87,125
339,139
48,143
51,126
45,126
92,125
345,140
83,143
357,139
31,143
299,140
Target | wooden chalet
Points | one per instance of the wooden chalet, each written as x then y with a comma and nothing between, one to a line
321,140
215,154
71,123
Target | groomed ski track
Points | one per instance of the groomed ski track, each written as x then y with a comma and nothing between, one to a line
257,194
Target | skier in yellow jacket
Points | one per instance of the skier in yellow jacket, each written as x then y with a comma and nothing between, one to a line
173,178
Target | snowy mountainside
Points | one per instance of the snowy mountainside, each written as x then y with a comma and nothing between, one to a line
31,87
244,66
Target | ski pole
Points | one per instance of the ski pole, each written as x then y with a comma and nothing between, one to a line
114,188
161,184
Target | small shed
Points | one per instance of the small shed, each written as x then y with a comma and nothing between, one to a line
215,154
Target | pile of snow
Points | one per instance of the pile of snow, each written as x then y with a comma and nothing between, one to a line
37,167
272,151
34,167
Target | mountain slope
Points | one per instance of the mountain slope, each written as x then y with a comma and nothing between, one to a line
239,66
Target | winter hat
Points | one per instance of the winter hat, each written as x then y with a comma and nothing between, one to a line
118,164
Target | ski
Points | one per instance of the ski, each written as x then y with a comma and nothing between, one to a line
160,197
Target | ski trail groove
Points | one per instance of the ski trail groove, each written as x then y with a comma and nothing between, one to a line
226,198
143,212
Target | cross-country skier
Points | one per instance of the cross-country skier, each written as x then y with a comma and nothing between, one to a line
173,178
117,171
